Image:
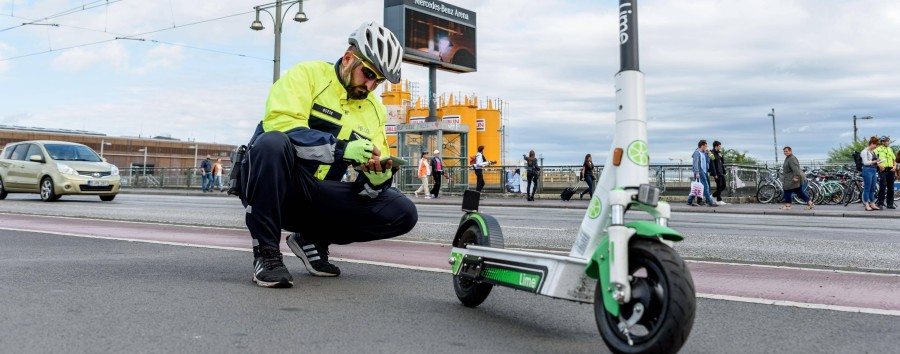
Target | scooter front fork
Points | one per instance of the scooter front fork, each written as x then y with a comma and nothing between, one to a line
619,235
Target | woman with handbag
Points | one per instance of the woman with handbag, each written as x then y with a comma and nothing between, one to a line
531,166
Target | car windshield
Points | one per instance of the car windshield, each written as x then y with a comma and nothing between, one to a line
66,152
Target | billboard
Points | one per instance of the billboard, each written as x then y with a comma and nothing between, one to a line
433,33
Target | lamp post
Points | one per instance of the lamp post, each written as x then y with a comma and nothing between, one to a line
774,136
854,126
102,144
144,169
278,19
195,146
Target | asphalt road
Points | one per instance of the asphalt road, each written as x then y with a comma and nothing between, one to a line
71,294
854,243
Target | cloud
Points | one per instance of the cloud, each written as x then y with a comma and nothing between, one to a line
109,55
713,70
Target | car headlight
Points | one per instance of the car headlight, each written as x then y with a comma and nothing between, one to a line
114,171
65,169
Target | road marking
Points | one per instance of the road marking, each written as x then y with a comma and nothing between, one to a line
446,271
804,268
800,304
121,221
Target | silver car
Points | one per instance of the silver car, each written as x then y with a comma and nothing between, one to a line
56,168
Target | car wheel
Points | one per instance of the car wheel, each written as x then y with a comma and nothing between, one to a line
2,190
47,192
107,198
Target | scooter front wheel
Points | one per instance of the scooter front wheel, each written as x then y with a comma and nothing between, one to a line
470,292
661,312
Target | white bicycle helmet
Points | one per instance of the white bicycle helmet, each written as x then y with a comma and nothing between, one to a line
380,47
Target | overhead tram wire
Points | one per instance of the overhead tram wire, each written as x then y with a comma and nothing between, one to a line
122,36
63,13
135,35
192,47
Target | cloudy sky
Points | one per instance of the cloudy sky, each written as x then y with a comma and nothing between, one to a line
714,69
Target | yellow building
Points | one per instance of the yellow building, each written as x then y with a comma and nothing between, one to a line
484,121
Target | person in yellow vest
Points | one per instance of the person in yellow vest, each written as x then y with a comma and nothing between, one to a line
320,118
886,167
424,172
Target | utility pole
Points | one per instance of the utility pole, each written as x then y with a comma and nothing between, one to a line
774,136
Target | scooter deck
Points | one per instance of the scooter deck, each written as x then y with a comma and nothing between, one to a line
552,275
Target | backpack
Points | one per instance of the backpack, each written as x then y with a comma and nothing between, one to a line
471,160
858,160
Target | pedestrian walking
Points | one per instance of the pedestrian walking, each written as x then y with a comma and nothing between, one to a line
480,163
700,167
437,171
206,182
587,175
793,180
533,170
886,167
717,157
319,117
423,173
869,173
217,171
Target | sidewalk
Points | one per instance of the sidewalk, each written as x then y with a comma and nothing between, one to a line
553,201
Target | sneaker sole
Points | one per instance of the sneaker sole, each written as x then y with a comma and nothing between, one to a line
295,247
275,284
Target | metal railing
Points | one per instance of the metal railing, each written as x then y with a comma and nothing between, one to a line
671,179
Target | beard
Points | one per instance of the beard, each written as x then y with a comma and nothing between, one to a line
357,92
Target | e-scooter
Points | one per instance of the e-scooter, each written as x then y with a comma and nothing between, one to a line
643,294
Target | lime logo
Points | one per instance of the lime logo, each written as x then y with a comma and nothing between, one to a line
637,153
594,208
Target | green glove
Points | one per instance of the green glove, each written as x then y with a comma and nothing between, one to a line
359,151
378,178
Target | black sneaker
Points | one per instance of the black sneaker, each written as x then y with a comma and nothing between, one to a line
269,270
314,256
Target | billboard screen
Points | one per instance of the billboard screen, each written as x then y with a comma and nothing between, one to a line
433,32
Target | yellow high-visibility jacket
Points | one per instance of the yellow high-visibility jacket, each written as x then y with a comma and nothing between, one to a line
309,103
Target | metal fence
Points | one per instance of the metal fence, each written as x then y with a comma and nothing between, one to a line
672,179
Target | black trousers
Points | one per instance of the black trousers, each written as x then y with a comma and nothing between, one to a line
886,187
436,188
280,195
479,176
589,179
720,187
531,178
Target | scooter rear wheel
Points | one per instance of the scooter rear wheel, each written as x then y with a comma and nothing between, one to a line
471,293
663,302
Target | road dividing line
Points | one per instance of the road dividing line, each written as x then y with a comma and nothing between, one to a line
800,304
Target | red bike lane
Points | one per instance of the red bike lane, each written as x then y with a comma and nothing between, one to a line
851,290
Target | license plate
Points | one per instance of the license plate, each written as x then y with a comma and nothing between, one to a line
98,183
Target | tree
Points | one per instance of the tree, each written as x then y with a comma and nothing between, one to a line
844,153
736,157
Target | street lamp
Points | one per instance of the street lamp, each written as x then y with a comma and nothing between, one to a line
278,19
854,126
774,136
102,144
195,146
144,150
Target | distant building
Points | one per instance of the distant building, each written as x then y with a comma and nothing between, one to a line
127,153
